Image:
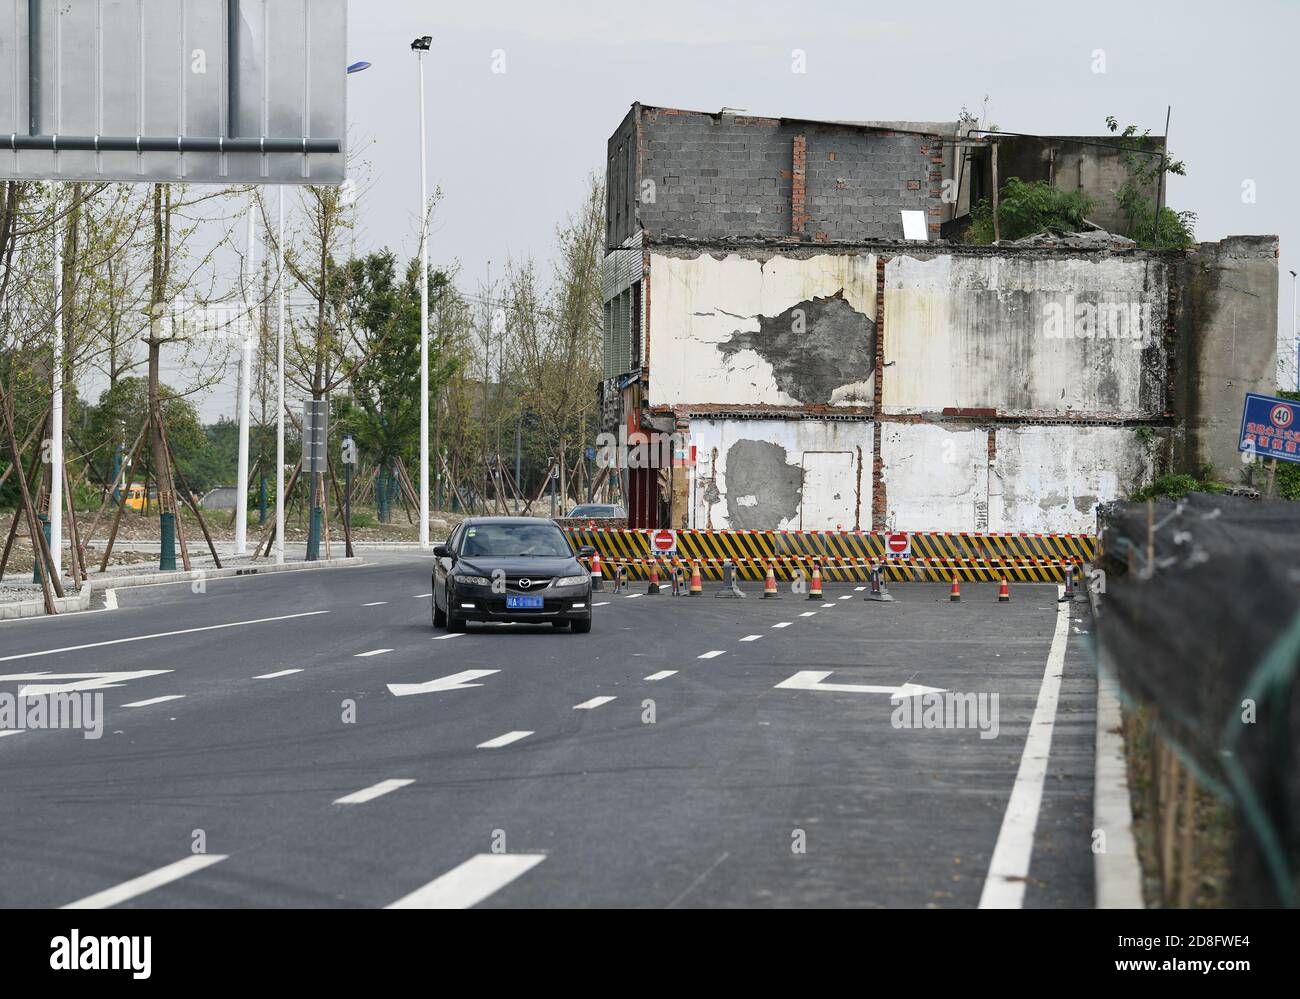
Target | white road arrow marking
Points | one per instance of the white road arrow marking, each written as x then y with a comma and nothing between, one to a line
82,681
811,679
457,681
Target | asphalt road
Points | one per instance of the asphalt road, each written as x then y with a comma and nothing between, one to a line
648,775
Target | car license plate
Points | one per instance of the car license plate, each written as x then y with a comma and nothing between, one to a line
523,603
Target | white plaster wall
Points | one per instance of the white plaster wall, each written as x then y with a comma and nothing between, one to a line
972,332
1049,479
935,478
698,303
830,446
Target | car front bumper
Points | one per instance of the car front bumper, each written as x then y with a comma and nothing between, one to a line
572,603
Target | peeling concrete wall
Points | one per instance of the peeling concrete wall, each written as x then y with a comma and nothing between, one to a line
781,474
1227,333
935,477
1027,335
750,330
1049,479
1041,479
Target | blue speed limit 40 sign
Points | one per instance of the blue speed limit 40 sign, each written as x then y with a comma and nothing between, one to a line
1270,427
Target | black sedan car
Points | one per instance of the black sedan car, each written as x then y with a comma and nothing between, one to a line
510,569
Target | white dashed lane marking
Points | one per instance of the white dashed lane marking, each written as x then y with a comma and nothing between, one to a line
276,676
847,597
374,791
857,589
471,882
421,596
376,603
153,700
603,603
128,890
595,702
663,674
372,652
782,624
450,634
808,614
712,655
503,740
751,638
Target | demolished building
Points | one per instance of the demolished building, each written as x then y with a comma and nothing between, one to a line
760,299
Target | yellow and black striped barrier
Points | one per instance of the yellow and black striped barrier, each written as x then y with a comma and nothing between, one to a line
847,556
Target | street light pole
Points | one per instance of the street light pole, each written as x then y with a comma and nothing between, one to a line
279,389
245,378
56,420
1295,335
421,46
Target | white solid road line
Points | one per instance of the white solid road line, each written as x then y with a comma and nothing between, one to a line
374,791
153,700
128,890
663,674
276,676
503,740
751,638
450,634
595,702
712,655
1004,887
376,603
160,634
782,624
372,652
469,883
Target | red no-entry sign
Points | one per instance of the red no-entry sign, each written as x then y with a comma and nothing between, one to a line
899,544
663,542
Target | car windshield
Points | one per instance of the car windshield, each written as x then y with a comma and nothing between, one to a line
595,511
543,540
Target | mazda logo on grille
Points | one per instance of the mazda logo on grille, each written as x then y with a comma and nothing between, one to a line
525,583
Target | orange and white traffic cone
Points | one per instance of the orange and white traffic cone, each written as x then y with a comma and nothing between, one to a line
954,595
1004,592
769,584
597,577
697,584
653,588
815,586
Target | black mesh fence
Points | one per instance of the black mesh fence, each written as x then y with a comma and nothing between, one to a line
1201,620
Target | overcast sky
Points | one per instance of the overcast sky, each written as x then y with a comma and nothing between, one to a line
511,150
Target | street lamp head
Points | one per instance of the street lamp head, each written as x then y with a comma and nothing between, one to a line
422,43
357,67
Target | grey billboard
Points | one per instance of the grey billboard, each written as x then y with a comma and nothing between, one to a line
200,91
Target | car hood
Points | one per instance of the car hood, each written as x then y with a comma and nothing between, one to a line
514,565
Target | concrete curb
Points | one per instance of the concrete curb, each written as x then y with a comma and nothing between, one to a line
36,608
1117,871
81,602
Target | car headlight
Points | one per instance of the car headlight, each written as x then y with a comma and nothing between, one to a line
571,580
474,580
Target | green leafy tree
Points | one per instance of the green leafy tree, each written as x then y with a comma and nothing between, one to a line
1145,167
1028,208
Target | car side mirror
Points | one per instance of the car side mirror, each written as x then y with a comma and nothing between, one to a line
442,551
586,551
